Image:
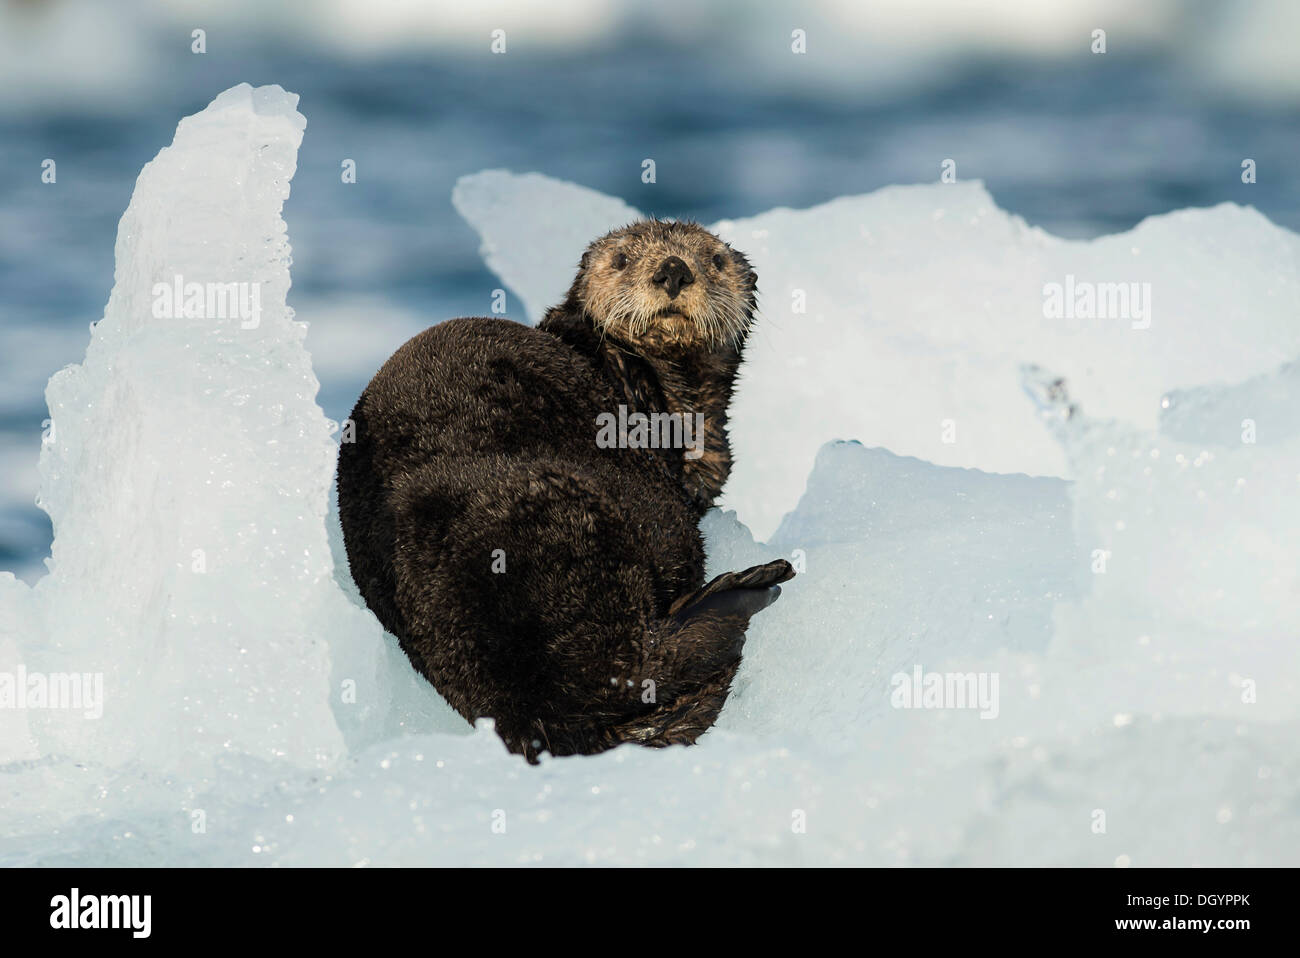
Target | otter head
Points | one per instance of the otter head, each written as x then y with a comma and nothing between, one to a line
664,287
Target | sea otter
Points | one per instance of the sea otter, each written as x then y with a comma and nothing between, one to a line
521,505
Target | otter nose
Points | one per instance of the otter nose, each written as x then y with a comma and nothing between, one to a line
672,275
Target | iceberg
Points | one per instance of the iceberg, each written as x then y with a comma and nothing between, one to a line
1066,637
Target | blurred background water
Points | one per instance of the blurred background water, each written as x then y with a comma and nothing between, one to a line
1075,142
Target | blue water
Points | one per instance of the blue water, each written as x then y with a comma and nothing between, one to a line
1075,148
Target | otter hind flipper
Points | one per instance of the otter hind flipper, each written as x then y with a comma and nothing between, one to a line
712,620
755,577
701,645
740,604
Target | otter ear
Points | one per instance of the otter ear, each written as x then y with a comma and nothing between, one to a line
586,259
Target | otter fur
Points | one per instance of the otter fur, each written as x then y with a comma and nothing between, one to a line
534,571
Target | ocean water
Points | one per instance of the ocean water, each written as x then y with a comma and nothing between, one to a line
1080,147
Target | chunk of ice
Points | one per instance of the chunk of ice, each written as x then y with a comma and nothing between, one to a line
1140,621
188,478
900,318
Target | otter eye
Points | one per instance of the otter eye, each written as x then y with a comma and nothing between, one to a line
620,260
719,262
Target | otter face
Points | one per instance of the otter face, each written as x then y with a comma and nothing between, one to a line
660,285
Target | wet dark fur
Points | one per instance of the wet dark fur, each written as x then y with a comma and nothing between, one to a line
480,435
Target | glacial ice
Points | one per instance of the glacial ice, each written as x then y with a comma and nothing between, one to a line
903,316
1136,600
187,477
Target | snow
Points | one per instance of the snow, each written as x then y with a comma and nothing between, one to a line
1135,601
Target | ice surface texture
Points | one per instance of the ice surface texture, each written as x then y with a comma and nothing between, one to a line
1137,601
187,476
